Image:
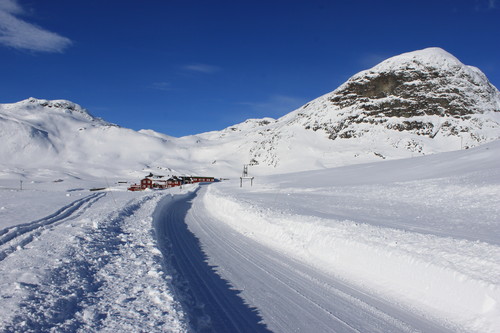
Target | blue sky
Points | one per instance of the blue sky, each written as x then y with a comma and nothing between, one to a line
184,67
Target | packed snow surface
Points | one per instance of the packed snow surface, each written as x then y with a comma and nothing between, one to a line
406,245
91,265
420,232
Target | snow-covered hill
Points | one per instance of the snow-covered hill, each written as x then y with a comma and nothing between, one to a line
62,137
417,103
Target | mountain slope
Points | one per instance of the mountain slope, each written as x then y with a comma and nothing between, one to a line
417,103
41,134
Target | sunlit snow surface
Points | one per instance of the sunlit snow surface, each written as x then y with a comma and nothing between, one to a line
91,264
423,232
415,236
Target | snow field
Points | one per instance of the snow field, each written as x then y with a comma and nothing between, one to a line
11,214
452,280
95,267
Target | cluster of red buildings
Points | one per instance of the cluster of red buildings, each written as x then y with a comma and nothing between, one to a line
158,182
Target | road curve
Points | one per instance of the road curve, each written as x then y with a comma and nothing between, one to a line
229,283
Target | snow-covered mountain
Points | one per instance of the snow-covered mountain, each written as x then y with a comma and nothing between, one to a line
60,135
420,102
416,103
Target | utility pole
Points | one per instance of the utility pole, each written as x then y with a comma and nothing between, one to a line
20,185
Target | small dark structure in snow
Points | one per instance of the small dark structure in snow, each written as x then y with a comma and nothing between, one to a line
245,175
197,179
135,187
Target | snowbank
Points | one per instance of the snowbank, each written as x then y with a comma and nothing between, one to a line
453,280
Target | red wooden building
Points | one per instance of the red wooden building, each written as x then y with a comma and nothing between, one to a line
146,183
160,183
174,181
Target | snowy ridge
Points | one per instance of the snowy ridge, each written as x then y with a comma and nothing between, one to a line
432,56
61,106
60,135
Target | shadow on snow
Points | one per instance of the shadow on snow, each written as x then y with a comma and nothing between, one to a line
211,303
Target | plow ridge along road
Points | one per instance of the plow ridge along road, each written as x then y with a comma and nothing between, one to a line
230,283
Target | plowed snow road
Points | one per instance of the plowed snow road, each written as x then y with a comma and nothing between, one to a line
230,283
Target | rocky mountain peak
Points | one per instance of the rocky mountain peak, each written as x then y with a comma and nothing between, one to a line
422,92
419,102
429,57
426,82
60,105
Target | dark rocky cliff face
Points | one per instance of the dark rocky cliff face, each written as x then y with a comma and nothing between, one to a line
414,93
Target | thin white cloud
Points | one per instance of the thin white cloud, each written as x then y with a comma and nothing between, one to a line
485,5
10,6
201,68
372,59
163,86
20,34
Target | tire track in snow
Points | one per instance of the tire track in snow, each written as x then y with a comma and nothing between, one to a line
13,238
291,295
293,286
211,303
58,303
